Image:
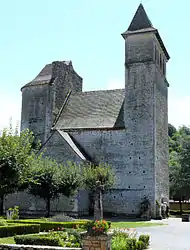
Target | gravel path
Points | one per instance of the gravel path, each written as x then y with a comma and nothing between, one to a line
174,236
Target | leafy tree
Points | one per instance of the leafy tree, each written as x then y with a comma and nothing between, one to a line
179,165
70,178
98,179
52,179
171,130
16,157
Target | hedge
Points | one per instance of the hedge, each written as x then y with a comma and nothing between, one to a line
11,230
178,212
50,239
47,225
38,240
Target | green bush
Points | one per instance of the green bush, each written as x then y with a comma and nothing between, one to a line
47,225
122,241
63,239
3,222
37,240
118,243
131,243
140,245
11,230
145,238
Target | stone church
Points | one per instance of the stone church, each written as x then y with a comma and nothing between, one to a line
126,128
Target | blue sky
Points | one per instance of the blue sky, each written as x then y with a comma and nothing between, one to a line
34,33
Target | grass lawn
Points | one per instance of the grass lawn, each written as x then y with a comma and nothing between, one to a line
135,224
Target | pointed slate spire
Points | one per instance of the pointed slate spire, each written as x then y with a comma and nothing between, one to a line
140,20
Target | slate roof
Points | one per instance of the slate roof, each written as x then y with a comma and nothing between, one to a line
45,75
141,23
93,109
140,20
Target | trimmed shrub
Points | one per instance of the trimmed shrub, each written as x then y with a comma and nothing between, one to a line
140,245
61,217
11,230
145,238
3,222
38,240
47,225
63,239
178,212
131,243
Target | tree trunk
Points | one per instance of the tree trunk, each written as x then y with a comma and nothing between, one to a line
101,205
98,207
48,207
2,204
180,206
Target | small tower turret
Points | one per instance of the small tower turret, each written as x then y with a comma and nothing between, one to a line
43,97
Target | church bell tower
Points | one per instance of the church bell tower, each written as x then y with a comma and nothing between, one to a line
146,106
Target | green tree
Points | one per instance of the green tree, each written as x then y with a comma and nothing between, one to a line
171,130
179,165
52,179
98,179
16,157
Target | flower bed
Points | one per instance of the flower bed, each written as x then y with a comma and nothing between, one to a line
98,227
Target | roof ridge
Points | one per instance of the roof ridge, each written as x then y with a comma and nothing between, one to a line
62,107
97,91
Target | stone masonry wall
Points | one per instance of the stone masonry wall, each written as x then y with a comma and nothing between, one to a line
140,122
132,183
65,79
145,109
161,171
42,102
35,105
102,242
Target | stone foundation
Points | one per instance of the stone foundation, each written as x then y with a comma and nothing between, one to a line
102,242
